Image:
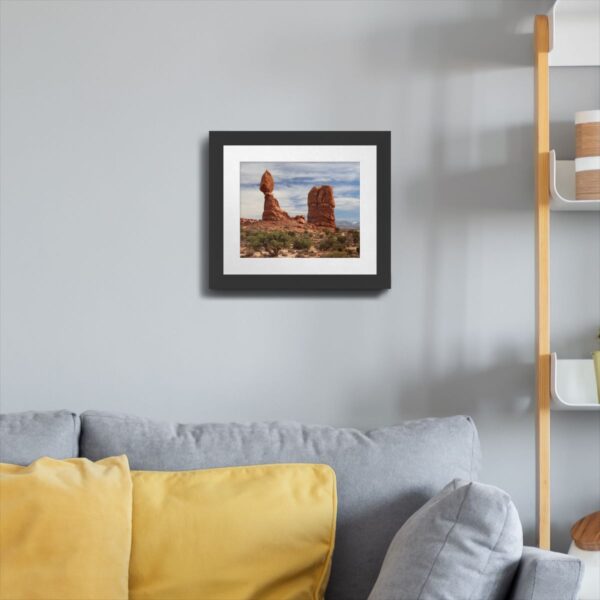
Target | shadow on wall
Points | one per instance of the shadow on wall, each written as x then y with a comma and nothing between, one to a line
203,197
469,392
493,35
450,207
450,199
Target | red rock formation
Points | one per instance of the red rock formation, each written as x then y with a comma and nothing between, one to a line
267,183
271,210
321,206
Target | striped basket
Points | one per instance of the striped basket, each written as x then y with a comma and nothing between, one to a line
587,155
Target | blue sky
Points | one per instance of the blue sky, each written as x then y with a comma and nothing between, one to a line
293,181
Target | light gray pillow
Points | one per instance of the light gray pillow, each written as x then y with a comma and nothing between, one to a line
27,436
464,544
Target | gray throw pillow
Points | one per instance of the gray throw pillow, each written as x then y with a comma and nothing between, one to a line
464,544
27,436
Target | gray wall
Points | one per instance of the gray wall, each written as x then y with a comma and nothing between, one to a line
105,113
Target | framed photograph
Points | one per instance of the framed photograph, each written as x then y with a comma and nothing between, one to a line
299,210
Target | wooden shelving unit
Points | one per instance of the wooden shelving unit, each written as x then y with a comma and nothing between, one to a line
568,36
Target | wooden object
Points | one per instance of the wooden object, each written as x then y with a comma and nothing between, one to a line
587,184
542,199
587,139
586,532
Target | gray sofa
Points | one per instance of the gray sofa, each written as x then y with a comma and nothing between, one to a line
383,476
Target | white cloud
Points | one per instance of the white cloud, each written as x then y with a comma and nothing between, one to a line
347,203
319,172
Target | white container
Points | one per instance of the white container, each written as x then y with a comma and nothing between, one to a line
587,116
576,381
587,163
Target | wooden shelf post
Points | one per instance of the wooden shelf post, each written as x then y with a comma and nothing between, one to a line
542,196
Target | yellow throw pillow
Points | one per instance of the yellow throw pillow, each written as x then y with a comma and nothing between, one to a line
240,533
65,529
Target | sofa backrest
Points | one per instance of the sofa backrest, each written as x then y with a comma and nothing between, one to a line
27,436
383,476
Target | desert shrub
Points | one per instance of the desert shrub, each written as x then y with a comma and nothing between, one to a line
341,238
327,243
302,243
336,254
255,241
273,242
292,233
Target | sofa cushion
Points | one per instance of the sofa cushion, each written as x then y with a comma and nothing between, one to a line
65,530
383,476
465,543
27,436
263,532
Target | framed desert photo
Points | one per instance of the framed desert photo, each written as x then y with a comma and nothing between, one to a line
299,210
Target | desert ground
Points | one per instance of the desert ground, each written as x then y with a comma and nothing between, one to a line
276,239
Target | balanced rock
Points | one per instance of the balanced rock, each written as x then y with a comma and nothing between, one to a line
321,206
267,184
271,209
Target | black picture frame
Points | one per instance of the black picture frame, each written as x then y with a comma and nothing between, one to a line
218,280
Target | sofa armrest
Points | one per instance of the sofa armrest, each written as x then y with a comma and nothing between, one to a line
544,575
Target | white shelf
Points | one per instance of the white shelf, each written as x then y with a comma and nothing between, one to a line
562,187
574,33
573,384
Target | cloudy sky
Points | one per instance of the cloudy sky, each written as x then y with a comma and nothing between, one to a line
293,181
